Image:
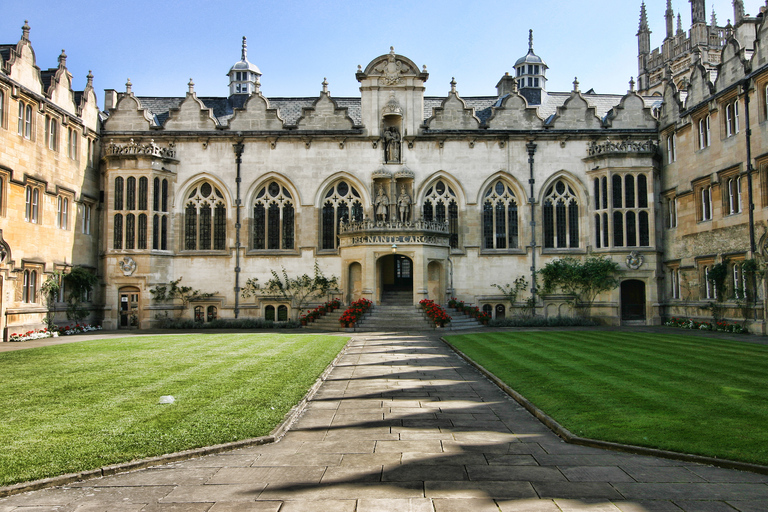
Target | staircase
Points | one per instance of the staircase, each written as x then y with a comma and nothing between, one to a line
395,313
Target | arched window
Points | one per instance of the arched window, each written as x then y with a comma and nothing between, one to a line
118,193
500,217
142,231
28,122
488,309
618,229
117,241
561,217
213,313
617,191
29,287
130,193
130,231
339,199
438,197
269,313
199,314
156,194
282,313
629,191
205,219
143,185
273,218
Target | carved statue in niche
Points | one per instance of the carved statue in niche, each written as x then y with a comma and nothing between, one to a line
382,205
404,205
391,145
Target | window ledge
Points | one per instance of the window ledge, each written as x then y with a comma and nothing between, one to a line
272,252
501,252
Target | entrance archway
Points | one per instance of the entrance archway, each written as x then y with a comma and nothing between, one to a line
129,307
633,300
396,278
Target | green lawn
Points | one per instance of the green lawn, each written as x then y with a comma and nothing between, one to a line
682,393
84,405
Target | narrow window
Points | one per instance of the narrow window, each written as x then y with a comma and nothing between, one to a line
142,231
130,231
117,240
28,122
118,193
616,191
143,185
130,193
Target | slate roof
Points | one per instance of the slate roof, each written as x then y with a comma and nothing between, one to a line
290,109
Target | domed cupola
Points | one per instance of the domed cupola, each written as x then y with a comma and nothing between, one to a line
531,74
244,76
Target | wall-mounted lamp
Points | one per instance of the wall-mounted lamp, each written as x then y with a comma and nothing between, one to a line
394,248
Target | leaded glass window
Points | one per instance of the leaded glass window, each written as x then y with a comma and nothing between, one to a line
336,210
117,239
561,217
439,198
273,218
500,217
205,222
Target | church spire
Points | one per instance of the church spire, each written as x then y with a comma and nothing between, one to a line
698,11
669,16
643,33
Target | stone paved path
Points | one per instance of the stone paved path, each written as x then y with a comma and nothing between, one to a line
403,424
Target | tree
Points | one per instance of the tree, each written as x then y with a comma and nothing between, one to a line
51,288
172,291
80,282
297,290
511,291
717,277
584,281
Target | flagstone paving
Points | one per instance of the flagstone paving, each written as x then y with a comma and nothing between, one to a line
403,424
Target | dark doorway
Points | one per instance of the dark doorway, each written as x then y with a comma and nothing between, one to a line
129,308
633,300
397,273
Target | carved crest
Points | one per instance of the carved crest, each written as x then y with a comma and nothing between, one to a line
392,69
635,260
128,266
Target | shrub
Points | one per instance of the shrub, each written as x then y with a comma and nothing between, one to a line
538,321
435,312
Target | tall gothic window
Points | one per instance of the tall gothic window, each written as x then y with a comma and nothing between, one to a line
629,217
342,203
205,219
441,205
143,185
500,217
117,240
130,193
561,217
119,193
160,217
273,218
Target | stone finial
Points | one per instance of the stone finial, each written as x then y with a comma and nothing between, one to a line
515,87
530,40
63,59
643,18
453,85
25,31
679,25
713,22
244,54
632,84
424,67
90,78
576,84
128,86
359,68
257,85
391,50
191,86
325,85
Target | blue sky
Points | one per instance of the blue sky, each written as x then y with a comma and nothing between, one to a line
160,45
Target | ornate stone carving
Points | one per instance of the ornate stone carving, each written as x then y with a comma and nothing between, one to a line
404,205
625,146
635,260
391,145
133,148
382,205
417,225
128,266
392,70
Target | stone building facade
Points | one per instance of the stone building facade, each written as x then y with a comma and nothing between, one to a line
442,196
49,183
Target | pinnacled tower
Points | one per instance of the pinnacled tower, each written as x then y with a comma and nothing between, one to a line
244,76
531,74
643,49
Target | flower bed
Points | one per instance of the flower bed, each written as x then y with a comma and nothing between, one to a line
689,323
313,314
355,310
435,312
59,331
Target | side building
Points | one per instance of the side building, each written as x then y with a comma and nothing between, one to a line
714,182
49,185
437,196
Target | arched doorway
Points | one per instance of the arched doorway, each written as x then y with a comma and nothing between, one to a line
129,307
396,278
354,282
633,301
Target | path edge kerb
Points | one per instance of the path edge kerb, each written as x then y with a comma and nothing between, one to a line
277,433
567,436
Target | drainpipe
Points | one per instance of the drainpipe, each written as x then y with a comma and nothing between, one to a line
451,274
239,147
531,147
752,245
